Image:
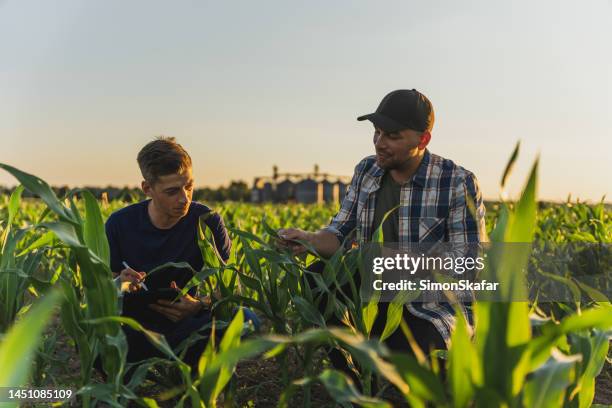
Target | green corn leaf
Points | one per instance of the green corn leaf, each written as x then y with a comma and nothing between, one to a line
149,402
46,239
370,354
463,364
230,340
497,235
101,392
214,378
598,318
548,384
14,202
342,389
206,242
308,312
65,232
510,164
19,344
395,312
595,318
378,236
518,338
523,223
158,340
598,346
423,384
9,247
231,337
209,352
370,311
268,229
72,316
42,189
247,236
93,229
76,215
593,293
180,265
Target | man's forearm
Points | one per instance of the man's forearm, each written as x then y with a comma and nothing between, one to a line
324,242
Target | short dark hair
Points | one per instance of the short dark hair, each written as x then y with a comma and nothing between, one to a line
161,157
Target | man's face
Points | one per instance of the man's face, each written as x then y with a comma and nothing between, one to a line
171,193
395,149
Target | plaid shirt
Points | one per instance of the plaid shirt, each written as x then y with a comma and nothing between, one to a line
433,208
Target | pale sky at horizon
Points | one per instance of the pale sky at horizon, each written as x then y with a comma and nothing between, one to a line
246,85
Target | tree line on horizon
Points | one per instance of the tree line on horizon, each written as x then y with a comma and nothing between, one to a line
235,191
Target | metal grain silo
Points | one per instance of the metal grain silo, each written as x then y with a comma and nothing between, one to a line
285,191
307,191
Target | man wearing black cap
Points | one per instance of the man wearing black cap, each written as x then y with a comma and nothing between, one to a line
432,196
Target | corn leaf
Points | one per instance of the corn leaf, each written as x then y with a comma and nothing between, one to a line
93,229
342,389
547,385
42,189
510,164
19,344
462,364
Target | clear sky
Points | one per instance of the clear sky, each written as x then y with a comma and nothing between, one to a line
244,85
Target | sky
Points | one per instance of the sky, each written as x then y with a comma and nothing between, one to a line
246,85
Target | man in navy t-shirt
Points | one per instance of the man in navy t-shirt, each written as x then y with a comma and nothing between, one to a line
163,229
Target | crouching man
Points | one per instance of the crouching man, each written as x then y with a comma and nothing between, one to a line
427,197
162,229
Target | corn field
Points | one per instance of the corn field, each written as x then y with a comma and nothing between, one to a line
59,310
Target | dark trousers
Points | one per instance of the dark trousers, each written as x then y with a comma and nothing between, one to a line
140,348
425,333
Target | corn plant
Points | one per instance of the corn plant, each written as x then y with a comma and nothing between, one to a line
91,277
18,344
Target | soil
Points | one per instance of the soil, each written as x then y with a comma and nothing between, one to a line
603,383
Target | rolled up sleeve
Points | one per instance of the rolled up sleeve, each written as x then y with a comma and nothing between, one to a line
343,224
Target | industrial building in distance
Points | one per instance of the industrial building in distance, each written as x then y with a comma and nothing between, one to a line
309,188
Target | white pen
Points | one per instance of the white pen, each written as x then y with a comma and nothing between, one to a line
128,267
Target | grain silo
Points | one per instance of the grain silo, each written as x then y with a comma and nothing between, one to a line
330,191
307,188
267,191
307,191
285,191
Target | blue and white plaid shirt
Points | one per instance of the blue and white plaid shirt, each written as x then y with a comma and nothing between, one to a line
434,207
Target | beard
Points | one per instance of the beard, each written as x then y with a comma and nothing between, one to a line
389,162
397,161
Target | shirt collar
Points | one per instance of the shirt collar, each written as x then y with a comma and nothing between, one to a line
419,177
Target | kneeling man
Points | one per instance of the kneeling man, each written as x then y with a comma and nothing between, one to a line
162,229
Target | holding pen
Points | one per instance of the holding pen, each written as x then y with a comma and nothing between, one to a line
141,277
130,276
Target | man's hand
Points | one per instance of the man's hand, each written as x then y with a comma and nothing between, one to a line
132,279
184,307
323,242
289,238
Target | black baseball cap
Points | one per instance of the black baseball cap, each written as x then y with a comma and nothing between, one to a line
403,109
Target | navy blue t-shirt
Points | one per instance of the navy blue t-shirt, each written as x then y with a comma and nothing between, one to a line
133,238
